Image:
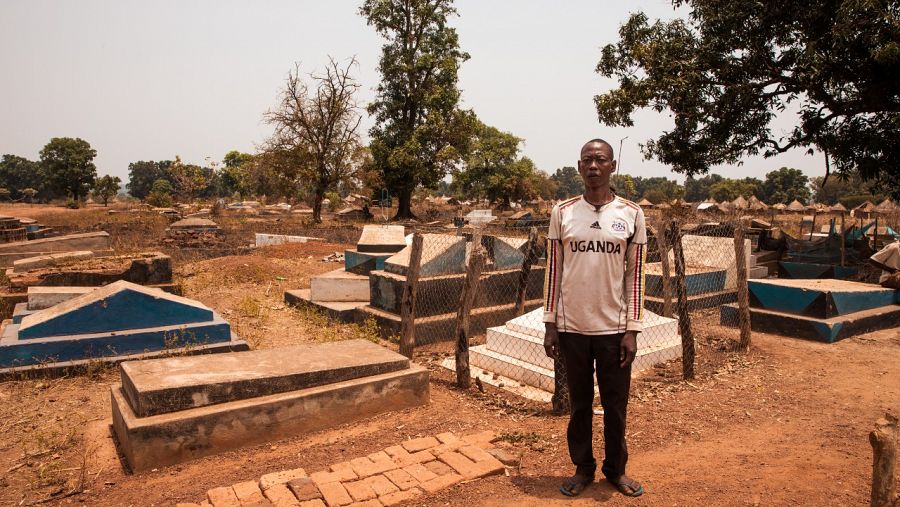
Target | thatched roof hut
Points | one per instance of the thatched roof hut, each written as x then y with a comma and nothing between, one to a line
838,208
644,203
779,206
886,206
796,205
757,205
740,203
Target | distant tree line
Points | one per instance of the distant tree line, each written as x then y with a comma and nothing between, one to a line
65,170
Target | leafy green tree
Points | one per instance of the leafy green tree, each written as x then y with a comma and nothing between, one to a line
784,185
69,165
836,189
106,187
161,193
568,181
668,188
490,170
5,193
732,66
728,189
698,189
190,179
18,173
234,175
624,185
420,133
29,194
142,175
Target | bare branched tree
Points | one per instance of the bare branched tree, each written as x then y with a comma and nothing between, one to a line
316,129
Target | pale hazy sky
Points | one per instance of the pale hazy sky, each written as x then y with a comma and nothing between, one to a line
149,80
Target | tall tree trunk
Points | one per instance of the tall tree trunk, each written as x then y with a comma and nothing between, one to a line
404,207
317,205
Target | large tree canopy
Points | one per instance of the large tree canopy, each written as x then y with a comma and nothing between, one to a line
69,166
733,65
419,133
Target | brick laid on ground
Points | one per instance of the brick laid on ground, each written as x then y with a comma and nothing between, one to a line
420,473
223,497
334,494
304,489
401,478
282,477
420,444
248,492
280,496
360,490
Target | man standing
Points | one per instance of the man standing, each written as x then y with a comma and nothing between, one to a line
593,310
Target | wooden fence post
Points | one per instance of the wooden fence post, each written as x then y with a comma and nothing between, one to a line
740,257
662,243
526,270
466,300
843,236
684,318
408,299
884,459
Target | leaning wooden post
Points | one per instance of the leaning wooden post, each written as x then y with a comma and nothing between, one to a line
526,270
742,291
466,301
408,299
684,317
843,236
884,450
662,243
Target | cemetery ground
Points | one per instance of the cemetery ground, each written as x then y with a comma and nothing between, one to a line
785,424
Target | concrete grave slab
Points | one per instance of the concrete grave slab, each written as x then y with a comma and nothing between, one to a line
41,261
16,351
363,263
339,285
828,330
819,298
508,252
808,270
118,306
179,383
280,239
381,239
40,298
166,439
442,254
697,279
480,217
345,311
714,252
93,241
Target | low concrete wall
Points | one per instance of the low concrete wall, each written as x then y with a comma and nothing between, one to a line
93,241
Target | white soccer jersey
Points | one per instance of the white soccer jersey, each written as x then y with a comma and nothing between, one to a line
594,282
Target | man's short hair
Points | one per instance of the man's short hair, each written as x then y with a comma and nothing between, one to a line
612,152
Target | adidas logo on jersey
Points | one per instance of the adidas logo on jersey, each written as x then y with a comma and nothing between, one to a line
596,225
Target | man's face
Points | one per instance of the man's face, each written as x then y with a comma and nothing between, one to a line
596,165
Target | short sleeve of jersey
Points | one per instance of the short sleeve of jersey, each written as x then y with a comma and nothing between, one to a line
640,229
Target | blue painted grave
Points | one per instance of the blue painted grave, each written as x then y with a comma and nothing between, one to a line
117,320
808,270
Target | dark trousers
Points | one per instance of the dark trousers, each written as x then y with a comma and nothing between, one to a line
581,354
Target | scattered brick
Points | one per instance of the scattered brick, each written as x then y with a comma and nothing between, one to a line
420,444
403,479
399,497
334,494
344,471
365,467
283,477
182,504
281,496
360,490
396,450
416,457
486,468
442,482
503,456
438,468
461,464
304,489
447,438
475,453
420,473
482,439
205,503
379,456
248,493
368,503
223,497
323,477
313,503
381,485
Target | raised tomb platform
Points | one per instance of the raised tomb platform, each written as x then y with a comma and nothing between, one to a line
515,350
171,410
441,278
110,324
97,242
821,310
809,270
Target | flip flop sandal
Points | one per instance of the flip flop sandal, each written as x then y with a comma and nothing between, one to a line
575,485
628,488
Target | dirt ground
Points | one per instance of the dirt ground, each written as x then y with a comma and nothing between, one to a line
785,424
